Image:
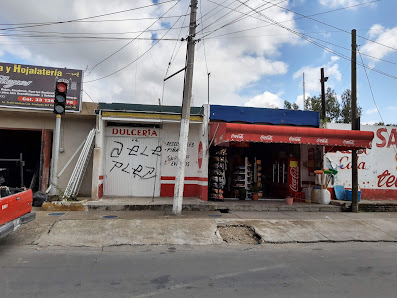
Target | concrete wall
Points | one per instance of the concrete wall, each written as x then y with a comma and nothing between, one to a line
74,128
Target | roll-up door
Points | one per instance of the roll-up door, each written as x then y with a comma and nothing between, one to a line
132,167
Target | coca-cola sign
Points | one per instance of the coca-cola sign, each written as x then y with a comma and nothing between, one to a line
295,139
293,179
237,136
322,141
266,138
348,142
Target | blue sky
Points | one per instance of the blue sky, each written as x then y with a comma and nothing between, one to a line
253,67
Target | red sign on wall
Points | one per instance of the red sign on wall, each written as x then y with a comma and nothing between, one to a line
293,176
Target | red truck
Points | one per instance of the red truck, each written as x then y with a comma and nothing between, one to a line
15,209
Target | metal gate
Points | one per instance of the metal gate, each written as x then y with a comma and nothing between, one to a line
132,167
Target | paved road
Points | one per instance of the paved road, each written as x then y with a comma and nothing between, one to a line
283,270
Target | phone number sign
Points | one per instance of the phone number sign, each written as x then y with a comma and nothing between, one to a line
33,87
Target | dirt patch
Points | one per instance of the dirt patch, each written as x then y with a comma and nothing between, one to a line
238,234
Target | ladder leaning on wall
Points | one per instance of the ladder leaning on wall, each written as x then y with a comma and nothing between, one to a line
73,187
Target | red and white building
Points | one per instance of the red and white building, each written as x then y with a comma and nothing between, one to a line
137,147
377,167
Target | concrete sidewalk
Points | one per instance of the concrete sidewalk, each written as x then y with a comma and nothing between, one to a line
195,204
110,228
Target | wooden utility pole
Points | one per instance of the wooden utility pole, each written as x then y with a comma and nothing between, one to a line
187,95
354,206
304,92
323,80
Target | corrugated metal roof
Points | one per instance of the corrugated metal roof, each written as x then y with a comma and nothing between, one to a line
126,107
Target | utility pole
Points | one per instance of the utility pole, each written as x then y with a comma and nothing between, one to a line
354,205
54,172
209,87
304,95
323,80
187,95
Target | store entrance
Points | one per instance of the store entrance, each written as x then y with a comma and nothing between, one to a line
243,169
17,146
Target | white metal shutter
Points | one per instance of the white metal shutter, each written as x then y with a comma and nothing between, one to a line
132,167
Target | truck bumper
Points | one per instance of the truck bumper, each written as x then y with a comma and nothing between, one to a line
11,226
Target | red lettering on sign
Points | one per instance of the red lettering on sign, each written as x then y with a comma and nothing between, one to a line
346,160
381,137
115,131
390,181
154,133
144,132
391,137
382,177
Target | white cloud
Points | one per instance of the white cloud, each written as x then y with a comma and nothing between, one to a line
371,111
383,36
235,63
313,75
338,3
266,100
299,100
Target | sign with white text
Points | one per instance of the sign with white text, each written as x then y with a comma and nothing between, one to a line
33,87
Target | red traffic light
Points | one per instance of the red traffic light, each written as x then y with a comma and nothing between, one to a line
61,87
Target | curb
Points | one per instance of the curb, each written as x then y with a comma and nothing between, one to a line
211,207
367,206
64,206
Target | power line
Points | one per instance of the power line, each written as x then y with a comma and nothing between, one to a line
332,26
293,19
238,19
55,33
373,97
321,46
172,58
144,53
94,21
111,55
86,18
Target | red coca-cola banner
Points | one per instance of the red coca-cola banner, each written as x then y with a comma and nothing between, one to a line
234,132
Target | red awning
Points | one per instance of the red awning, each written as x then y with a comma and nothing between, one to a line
234,132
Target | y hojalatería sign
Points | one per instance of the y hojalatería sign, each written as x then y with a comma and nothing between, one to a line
33,87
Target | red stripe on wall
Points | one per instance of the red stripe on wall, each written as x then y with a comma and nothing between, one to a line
186,178
100,177
189,190
379,194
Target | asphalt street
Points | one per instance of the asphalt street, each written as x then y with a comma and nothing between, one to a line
348,269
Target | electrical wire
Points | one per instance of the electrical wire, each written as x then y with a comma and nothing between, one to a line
111,55
205,55
238,19
332,26
88,95
172,58
86,18
373,97
290,20
124,67
316,43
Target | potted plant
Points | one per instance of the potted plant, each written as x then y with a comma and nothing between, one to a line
255,191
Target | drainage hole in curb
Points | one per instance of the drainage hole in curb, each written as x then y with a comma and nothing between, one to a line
223,210
109,216
238,234
56,213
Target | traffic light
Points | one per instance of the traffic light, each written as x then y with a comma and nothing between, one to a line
61,89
